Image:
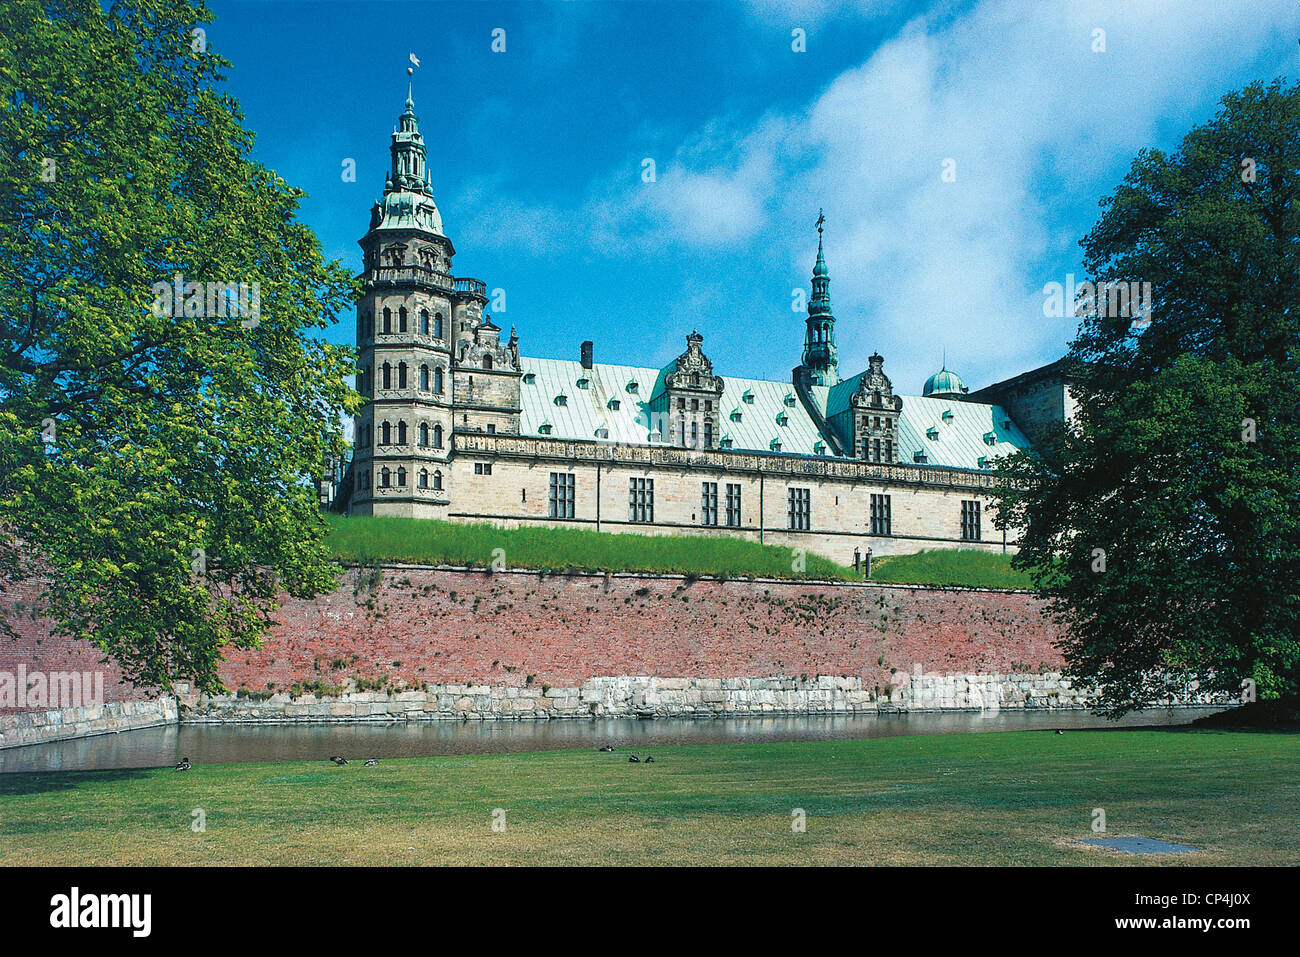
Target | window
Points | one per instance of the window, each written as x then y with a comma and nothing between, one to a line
401,477
709,503
641,500
880,509
482,468
388,320
876,449
384,477
632,385
401,433
889,450
970,521
487,362
424,478
800,509
920,457
733,505
424,322
424,378
560,503
544,428
708,434
401,375
492,430
385,434
614,404
695,435
388,376
561,399
437,436
437,481
437,381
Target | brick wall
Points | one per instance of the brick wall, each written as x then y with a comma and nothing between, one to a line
422,626
34,647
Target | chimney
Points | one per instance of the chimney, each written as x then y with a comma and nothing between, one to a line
586,354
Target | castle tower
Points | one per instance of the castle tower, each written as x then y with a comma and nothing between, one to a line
820,359
406,325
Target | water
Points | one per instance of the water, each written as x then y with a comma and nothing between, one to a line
229,744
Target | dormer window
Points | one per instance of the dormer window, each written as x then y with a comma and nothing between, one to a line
782,419
736,415
819,448
614,404
789,398
530,377
561,399
775,445
584,382
725,442
947,415
990,438
602,433
748,397
920,457
983,462
932,433
632,386
1006,424
544,428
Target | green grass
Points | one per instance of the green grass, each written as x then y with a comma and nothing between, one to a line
372,539
960,566
996,798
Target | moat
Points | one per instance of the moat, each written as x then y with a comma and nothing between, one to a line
224,744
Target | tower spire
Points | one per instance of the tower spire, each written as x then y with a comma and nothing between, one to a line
819,352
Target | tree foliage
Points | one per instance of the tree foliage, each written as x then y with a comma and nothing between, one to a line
155,469
1164,521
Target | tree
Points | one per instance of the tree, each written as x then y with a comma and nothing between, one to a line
1164,522
156,449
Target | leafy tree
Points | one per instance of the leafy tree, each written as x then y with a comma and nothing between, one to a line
1164,522
155,468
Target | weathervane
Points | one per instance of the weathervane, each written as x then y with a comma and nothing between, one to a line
821,218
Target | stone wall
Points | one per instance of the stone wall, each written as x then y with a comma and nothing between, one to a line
42,727
643,696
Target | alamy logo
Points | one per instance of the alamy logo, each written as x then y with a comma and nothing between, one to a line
54,689
1127,300
216,300
74,910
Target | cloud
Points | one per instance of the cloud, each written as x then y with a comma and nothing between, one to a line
1038,124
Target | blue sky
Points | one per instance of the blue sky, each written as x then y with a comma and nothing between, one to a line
537,154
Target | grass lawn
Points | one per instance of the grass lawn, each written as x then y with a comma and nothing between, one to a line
368,539
429,542
958,566
996,798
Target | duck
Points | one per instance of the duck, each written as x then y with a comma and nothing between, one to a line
1059,731
184,765
607,748
649,760
633,759
338,760
370,762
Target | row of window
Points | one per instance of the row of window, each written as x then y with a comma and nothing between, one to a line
428,437
428,325
430,380
396,478
641,506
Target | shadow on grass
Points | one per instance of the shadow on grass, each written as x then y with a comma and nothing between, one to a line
42,782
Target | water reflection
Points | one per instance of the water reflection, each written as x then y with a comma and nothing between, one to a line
216,744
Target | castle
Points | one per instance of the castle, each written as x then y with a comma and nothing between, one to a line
461,426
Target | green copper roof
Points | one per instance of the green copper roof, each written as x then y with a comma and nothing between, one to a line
944,382
623,400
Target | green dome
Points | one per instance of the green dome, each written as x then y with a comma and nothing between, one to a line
944,383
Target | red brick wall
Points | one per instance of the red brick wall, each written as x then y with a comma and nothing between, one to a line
30,642
446,627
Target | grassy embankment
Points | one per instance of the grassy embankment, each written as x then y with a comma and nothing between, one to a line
995,798
368,539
